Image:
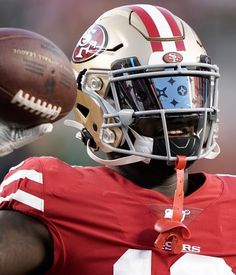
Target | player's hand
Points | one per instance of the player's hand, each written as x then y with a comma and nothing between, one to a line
11,138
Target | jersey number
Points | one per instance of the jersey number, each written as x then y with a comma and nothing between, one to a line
138,262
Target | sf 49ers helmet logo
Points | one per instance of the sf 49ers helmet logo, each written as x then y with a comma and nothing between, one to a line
91,44
172,57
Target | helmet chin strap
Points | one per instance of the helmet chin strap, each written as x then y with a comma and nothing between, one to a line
114,162
172,229
143,144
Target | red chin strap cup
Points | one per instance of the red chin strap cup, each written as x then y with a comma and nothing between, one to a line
173,230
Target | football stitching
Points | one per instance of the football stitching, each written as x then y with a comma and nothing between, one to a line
38,107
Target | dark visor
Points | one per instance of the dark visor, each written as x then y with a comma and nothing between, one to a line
163,92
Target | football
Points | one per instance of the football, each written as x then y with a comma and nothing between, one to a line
37,84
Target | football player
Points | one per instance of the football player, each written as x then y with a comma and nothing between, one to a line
147,99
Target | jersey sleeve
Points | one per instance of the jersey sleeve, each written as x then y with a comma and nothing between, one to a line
22,188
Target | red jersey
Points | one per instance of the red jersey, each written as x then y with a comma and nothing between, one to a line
103,224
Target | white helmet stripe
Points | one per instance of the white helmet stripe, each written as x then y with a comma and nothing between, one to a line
150,25
174,28
159,24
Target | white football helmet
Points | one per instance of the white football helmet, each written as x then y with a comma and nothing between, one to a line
146,87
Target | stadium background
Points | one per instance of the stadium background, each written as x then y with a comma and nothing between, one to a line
64,21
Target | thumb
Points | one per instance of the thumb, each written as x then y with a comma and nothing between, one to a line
26,136
43,129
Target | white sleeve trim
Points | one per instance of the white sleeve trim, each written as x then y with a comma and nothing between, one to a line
21,174
25,198
226,175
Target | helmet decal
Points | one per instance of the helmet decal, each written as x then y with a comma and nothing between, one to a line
160,23
92,43
172,57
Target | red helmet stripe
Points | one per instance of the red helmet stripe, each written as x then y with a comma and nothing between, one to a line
174,27
150,26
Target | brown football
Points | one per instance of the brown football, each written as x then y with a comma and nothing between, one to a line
37,84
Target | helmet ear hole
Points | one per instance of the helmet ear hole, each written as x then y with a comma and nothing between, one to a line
83,110
95,127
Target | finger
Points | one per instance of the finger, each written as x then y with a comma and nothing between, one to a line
29,135
44,129
5,150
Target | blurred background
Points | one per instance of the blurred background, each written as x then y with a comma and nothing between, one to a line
64,21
